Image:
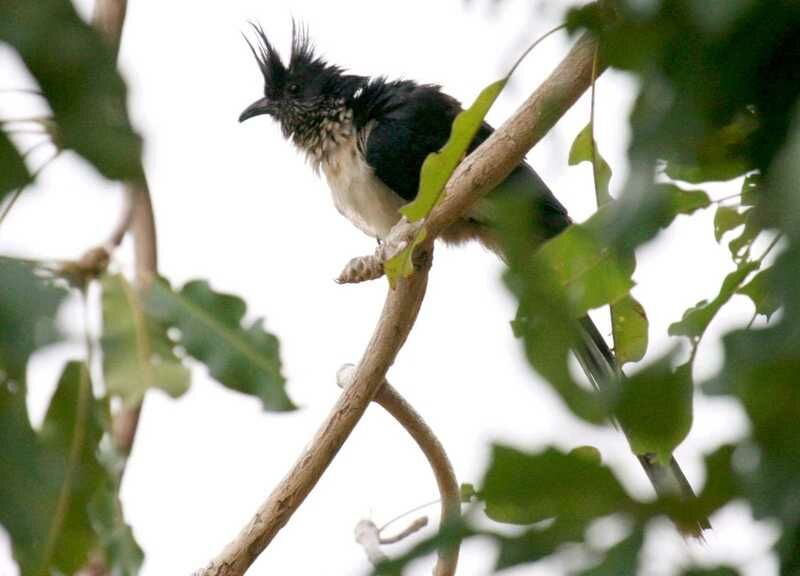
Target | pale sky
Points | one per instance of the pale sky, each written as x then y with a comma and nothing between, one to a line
236,205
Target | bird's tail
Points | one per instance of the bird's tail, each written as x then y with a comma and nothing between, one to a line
600,366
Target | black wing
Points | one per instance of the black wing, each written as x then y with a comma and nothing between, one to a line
412,121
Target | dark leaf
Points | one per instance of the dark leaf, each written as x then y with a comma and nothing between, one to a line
243,357
762,291
28,306
718,571
622,558
122,555
13,172
77,73
726,219
50,526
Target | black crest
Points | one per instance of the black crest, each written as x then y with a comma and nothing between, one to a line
304,69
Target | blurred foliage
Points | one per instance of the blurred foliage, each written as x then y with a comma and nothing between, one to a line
28,307
210,328
137,355
77,74
718,87
718,101
52,477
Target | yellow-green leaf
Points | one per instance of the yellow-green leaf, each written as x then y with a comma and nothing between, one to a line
629,326
439,166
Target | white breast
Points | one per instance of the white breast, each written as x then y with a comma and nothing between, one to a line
357,192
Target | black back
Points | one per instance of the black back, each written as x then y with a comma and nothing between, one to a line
412,121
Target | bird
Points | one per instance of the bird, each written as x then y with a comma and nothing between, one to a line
369,137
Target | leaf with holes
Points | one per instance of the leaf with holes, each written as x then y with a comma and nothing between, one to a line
137,355
726,219
242,356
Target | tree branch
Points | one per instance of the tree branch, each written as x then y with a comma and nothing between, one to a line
398,316
109,18
481,171
391,401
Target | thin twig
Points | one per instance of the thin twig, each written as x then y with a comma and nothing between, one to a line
18,192
480,172
450,497
391,401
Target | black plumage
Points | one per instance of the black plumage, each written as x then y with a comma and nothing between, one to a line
370,137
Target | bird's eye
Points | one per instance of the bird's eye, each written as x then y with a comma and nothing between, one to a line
293,88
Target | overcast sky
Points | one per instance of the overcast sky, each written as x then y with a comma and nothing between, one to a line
236,205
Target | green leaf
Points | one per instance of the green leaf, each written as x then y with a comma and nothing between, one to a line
718,571
523,488
24,512
545,318
588,453
697,318
629,325
439,166
637,217
621,558
28,306
49,479
726,219
751,189
761,290
137,355
436,171
468,493
536,544
122,554
741,245
73,430
13,172
584,149
654,407
77,73
589,273
243,357
401,265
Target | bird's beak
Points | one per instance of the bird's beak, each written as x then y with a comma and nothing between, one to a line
262,106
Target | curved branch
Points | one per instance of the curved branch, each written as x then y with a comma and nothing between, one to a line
491,162
398,316
482,170
391,401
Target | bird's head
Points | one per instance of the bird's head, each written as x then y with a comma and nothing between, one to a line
301,94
